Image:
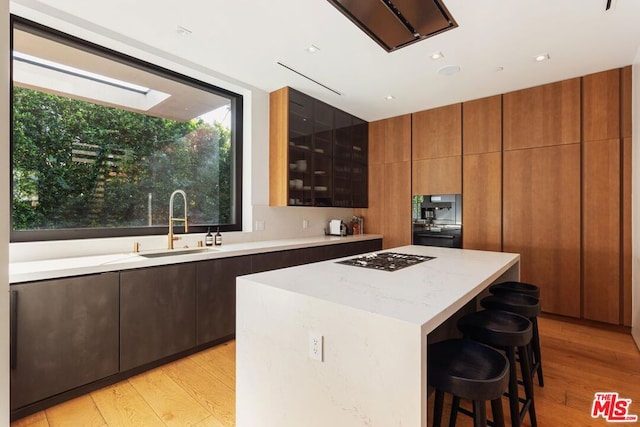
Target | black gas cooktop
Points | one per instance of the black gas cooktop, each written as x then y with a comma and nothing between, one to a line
386,261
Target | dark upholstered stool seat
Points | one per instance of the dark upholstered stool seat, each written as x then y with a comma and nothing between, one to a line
508,332
468,370
517,287
527,306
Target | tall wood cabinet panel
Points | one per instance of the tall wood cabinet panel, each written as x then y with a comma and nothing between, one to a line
437,176
601,230
542,116
482,201
626,80
627,259
397,208
541,221
482,126
389,208
601,106
436,133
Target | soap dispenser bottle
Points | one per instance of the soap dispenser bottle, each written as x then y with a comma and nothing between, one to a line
208,239
218,237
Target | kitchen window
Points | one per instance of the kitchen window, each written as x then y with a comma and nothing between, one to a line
100,140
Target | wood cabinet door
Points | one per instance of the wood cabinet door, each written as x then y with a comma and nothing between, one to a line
601,106
278,147
437,132
482,202
627,244
601,230
216,297
437,176
541,222
157,313
66,335
397,204
482,125
542,116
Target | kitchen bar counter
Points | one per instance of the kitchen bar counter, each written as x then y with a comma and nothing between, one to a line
374,326
21,272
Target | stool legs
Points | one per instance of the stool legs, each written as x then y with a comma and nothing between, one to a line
514,404
438,403
479,414
498,415
527,382
455,404
537,359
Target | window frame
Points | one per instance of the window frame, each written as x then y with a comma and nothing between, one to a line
17,22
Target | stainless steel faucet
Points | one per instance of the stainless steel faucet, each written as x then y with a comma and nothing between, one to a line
172,238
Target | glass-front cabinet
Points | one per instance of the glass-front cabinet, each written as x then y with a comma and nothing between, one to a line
326,152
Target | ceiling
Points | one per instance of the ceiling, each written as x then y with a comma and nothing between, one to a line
494,46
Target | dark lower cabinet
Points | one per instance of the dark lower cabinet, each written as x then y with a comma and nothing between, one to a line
216,296
157,313
64,335
72,332
289,258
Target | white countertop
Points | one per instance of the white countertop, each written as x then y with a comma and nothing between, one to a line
20,272
424,294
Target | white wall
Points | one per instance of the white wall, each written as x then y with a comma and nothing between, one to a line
4,212
635,202
275,222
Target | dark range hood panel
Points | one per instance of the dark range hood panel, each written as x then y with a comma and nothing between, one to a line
397,23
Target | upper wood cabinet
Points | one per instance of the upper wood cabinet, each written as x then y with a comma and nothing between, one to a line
437,176
390,140
601,106
437,133
542,116
482,125
541,221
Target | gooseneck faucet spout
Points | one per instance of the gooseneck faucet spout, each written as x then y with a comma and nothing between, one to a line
171,237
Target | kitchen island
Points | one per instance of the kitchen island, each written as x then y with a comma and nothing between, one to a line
368,326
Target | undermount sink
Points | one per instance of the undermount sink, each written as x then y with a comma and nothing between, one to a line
174,252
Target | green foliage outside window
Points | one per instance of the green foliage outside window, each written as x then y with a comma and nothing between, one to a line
78,164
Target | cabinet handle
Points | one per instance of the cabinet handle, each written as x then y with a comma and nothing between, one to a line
13,344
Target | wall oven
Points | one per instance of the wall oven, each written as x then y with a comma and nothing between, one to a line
437,220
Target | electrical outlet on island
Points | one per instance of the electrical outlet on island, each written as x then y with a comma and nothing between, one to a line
316,346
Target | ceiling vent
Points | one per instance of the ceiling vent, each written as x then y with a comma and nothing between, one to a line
398,23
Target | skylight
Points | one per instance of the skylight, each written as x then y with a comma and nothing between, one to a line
33,60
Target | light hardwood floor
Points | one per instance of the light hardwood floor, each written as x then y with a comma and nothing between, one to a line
199,390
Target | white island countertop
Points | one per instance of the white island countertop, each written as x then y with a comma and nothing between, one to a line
372,326
53,268
424,294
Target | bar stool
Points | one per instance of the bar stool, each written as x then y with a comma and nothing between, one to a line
508,332
516,287
468,370
527,306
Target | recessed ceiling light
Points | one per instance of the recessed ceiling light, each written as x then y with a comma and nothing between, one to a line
542,57
448,70
313,49
183,31
437,55
389,97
